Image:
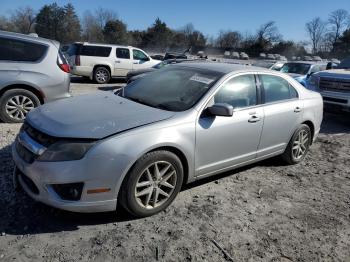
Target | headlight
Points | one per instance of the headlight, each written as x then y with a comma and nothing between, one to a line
66,151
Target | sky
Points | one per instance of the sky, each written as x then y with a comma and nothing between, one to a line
207,16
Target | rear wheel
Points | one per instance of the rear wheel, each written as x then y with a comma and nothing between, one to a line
102,75
152,184
298,146
15,104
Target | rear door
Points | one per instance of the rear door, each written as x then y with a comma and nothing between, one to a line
282,111
123,62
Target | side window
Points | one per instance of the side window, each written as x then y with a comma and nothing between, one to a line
139,55
239,92
123,53
277,89
21,51
101,51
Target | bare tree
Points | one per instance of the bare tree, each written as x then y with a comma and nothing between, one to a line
268,32
338,21
316,30
23,19
104,15
91,28
228,39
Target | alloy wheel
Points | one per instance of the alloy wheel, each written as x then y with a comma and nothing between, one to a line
17,107
101,75
300,144
155,185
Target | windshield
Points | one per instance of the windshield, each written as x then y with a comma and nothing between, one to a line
172,88
296,68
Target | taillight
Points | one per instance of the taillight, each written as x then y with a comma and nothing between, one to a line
77,60
62,63
64,67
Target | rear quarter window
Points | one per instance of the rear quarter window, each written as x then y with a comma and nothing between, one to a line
101,51
21,51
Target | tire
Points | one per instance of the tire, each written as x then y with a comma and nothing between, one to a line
102,75
140,188
15,105
296,151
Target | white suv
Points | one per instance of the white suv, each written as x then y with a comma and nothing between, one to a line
101,62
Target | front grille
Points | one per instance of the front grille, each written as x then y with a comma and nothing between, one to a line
38,136
333,84
24,153
338,100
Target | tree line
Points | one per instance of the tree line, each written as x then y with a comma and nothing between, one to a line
327,38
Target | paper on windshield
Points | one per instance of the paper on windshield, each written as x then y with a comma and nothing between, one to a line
202,79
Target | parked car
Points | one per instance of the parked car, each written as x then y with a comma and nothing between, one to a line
334,86
301,71
243,56
201,54
158,57
136,74
307,58
227,54
177,125
270,56
32,72
277,66
101,62
282,58
235,55
264,64
262,55
317,58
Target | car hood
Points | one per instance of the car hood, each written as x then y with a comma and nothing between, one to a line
93,116
336,73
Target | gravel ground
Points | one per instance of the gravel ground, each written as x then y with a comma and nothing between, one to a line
264,212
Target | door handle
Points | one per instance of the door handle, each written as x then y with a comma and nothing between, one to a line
136,63
297,109
254,119
117,61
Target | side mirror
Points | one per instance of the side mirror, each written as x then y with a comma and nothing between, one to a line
309,74
221,109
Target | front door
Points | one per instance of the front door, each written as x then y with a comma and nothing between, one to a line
123,62
224,142
140,60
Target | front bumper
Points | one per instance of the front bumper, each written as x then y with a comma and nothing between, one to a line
336,99
44,174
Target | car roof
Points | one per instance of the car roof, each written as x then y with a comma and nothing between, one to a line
224,68
101,44
29,37
306,62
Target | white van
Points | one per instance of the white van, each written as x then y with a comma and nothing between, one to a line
100,62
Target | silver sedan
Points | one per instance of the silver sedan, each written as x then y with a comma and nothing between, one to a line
139,146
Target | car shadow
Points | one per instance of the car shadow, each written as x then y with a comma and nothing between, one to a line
86,80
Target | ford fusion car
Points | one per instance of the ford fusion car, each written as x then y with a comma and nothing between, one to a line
139,146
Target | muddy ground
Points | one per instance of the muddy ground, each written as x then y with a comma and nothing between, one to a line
264,212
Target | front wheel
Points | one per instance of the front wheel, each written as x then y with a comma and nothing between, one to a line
152,184
298,146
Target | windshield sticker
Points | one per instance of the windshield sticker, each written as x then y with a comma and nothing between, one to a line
202,79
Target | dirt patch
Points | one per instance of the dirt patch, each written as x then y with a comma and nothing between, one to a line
264,212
